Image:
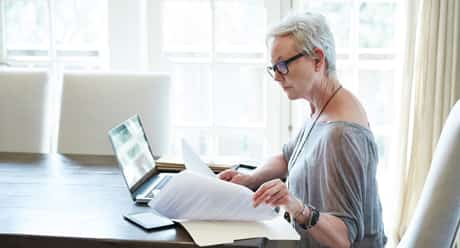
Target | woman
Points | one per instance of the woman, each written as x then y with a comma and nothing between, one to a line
330,166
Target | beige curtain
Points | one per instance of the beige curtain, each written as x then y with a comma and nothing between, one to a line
430,87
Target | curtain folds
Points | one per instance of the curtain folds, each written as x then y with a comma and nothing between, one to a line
430,87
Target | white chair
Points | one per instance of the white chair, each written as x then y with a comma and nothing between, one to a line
437,217
23,111
93,103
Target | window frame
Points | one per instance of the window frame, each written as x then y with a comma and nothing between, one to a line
279,111
273,97
52,59
55,65
351,56
148,45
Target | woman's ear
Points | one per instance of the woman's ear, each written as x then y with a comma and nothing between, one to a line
320,60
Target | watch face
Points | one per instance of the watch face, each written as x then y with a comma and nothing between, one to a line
314,216
312,219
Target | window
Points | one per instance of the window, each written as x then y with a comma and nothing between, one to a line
56,35
223,103
215,48
70,33
366,46
366,36
218,55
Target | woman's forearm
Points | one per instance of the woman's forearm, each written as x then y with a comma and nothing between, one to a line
329,230
276,167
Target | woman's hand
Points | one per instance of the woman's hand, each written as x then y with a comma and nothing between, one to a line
275,193
231,175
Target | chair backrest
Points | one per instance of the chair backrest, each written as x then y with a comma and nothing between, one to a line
93,103
24,111
437,217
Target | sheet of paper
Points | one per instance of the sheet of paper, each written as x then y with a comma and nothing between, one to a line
205,233
193,162
191,196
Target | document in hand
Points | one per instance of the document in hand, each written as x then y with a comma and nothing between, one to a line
218,212
192,196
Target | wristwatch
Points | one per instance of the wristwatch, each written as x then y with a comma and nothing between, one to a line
312,219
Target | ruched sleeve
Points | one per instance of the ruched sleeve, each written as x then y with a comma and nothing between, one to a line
336,172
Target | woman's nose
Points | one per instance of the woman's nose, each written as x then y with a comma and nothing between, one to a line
278,77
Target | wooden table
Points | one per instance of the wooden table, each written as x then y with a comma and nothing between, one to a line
76,201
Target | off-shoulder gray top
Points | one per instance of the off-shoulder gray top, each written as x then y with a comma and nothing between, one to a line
335,171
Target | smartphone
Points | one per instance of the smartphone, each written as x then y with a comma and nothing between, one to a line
149,220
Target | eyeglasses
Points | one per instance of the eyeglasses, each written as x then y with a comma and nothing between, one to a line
282,66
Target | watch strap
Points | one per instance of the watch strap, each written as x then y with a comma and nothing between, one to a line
314,216
312,219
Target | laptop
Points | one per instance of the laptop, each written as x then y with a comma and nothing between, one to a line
136,161
193,162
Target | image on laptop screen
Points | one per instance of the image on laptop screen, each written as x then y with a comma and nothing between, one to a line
132,150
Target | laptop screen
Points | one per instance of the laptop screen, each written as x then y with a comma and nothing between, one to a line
132,150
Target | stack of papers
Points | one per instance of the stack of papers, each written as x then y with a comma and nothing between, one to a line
214,211
192,196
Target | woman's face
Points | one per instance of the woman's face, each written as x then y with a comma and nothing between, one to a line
297,83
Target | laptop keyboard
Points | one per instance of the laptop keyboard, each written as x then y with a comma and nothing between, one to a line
159,186
163,181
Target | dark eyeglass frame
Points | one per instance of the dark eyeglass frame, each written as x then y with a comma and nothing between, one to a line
282,66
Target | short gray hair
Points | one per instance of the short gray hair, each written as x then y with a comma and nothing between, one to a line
309,31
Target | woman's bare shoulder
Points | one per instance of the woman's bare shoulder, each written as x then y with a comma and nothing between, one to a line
348,108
